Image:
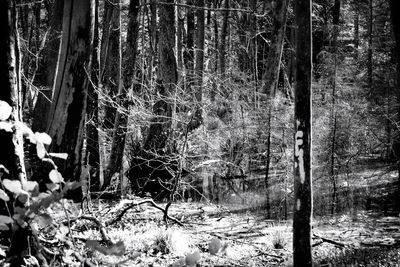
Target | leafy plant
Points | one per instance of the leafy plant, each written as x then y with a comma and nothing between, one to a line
278,240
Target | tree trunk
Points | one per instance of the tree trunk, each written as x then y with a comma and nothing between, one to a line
199,68
67,115
224,32
121,121
110,58
302,170
160,126
216,48
92,158
335,22
370,48
271,73
356,5
188,55
45,96
12,153
394,7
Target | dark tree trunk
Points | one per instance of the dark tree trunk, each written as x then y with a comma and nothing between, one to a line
224,32
370,47
273,63
188,55
356,5
160,126
394,7
335,22
110,58
121,121
51,51
199,67
302,171
92,158
68,110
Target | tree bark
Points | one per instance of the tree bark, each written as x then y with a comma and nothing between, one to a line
160,128
224,32
45,96
110,58
121,121
12,153
394,7
370,48
68,110
271,73
199,68
302,170
92,158
335,22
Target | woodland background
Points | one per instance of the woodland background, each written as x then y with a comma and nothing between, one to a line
193,101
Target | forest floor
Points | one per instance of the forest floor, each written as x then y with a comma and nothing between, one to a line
238,237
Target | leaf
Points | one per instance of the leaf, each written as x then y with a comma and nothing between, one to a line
4,227
5,110
55,176
40,150
44,220
117,249
59,155
52,187
13,186
6,126
23,197
32,187
192,259
214,246
5,219
43,138
3,195
26,131
73,185
4,169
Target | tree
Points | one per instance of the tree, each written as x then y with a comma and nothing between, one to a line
199,66
92,157
271,74
302,158
68,110
394,7
110,58
160,127
11,156
121,120
44,97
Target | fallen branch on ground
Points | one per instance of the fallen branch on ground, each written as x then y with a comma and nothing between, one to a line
147,201
333,242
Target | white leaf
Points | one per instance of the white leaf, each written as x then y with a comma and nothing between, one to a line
55,176
40,150
5,110
6,126
5,219
43,138
26,131
59,155
192,259
13,186
3,195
